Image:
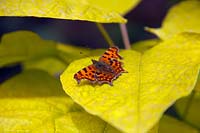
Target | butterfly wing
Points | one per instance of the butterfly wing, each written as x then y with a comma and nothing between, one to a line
117,67
104,77
86,73
111,53
110,57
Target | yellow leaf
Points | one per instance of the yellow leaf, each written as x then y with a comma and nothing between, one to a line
197,87
24,45
70,53
154,81
192,116
120,6
31,51
34,101
142,46
182,17
154,129
171,125
61,9
52,65
97,52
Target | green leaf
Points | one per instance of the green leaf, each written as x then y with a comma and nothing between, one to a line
154,81
171,125
34,101
24,45
154,129
120,6
31,51
182,17
50,64
197,87
70,53
61,9
192,115
97,52
142,46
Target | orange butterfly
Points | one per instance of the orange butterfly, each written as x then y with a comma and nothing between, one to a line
105,70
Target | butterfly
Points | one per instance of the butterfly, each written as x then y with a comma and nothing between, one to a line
105,70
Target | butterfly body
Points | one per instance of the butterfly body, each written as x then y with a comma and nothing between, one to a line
102,66
105,70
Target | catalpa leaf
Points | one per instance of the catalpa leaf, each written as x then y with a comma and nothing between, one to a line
49,64
183,17
169,124
61,9
191,116
154,129
21,46
70,53
197,87
142,46
120,6
34,101
155,80
31,51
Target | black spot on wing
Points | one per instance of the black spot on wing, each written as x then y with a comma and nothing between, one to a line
80,73
84,69
111,62
89,68
106,53
111,49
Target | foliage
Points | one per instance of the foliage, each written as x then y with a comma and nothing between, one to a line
170,125
63,9
142,46
160,71
40,105
190,116
125,104
181,18
12,49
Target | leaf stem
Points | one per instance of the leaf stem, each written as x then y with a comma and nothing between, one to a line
125,36
188,105
105,34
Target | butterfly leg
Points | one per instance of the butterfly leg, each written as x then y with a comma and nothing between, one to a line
110,83
78,79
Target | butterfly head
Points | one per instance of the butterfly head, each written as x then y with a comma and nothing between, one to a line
97,64
94,61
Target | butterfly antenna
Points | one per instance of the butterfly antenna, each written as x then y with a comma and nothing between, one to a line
84,55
